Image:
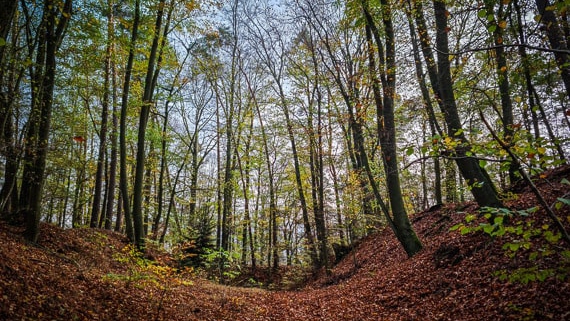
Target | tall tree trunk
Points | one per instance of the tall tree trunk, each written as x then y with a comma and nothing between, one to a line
435,129
171,199
11,76
111,184
533,96
387,129
247,237
96,206
6,15
230,108
475,176
557,40
317,164
162,170
147,104
123,178
527,76
163,147
502,75
218,175
299,184
51,32
274,253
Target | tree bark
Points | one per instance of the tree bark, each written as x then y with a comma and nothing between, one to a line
385,113
96,206
6,15
123,178
435,129
51,32
147,104
111,184
476,177
501,70
557,40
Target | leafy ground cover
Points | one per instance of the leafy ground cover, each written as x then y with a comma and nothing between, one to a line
514,268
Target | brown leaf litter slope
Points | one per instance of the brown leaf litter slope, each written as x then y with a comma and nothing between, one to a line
75,275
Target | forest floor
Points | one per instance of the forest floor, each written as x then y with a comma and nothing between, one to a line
87,274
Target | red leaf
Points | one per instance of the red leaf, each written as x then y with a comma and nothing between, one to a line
79,139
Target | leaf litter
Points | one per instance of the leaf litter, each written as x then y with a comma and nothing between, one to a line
74,274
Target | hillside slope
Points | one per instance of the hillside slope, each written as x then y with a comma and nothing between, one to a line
86,274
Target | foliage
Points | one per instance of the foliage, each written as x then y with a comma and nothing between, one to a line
518,233
220,265
143,272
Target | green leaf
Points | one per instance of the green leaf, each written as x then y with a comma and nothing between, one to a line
543,274
564,200
488,229
2,42
532,256
500,232
410,151
492,28
499,220
551,237
565,181
511,246
526,245
482,163
455,227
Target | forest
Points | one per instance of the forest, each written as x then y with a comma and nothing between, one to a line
272,144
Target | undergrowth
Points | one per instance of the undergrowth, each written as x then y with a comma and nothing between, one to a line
523,239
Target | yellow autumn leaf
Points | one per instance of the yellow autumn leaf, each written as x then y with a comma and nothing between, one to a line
502,24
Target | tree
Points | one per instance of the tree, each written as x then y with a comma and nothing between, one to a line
476,177
123,178
270,48
558,42
385,113
434,126
6,15
96,208
496,26
50,33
